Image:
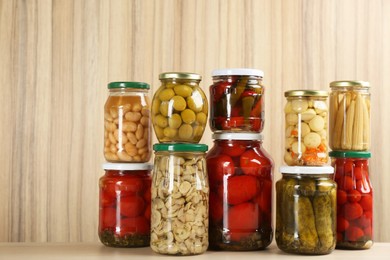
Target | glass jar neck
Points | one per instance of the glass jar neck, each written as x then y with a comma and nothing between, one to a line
231,78
307,176
127,90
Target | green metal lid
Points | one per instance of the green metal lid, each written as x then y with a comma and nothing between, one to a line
180,147
180,75
128,84
350,154
350,83
306,93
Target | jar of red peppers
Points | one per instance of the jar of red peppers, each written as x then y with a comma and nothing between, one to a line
127,123
236,100
240,176
354,199
124,207
306,117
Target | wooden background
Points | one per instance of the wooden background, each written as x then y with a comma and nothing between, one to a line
57,56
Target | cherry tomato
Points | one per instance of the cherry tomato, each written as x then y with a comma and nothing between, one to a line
233,150
264,199
341,197
252,163
137,225
218,167
354,196
108,218
107,199
131,206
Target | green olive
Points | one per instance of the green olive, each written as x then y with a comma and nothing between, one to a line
201,118
179,103
183,90
164,108
170,85
198,131
159,132
170,132
161,121
166,94
185,131
155,106
188,116
195,102
174,121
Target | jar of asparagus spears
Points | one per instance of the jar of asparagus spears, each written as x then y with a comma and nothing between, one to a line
306,210
350,115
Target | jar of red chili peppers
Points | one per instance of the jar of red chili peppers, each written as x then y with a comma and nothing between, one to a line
240,178
124,208
354,199
236,100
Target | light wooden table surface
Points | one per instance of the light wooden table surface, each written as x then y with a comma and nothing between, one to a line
51,251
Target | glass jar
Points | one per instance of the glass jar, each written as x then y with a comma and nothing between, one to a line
306,127
127,123
354,199
124,205
179,108
240,176
236,100
306,210
180,200
349,123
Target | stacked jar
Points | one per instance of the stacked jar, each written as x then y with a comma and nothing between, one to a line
180,189
306,194
239,169
125,195
350,142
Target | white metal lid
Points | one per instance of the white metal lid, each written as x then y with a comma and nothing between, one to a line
238,136
307,169
237,71
127,166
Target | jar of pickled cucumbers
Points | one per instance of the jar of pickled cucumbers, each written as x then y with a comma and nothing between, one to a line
127,123
124,207
240,176
306,210
354,199
179,108
180,200
236,100
306,127
349,123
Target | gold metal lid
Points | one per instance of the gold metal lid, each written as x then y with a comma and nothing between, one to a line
180,75
350,83
306,93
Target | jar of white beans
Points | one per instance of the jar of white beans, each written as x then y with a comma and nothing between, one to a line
127,124
306,127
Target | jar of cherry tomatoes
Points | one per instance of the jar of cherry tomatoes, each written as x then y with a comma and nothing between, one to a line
179,108
306,210
124,207
236,100
180,200
127,123
240,176
354,199
349,123
306,117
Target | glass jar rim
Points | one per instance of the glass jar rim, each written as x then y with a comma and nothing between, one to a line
306,170
237,72
350,83
238,136
127,166
180,75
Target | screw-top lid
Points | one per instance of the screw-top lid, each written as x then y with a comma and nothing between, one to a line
307,169
180,147
306,93
127,166
350,154
238,136
237,72
350,83
180,75
128,84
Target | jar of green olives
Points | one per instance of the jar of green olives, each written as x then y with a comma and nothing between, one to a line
306,117
179,108
306,210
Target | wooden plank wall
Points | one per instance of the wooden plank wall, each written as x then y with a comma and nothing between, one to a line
57,56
